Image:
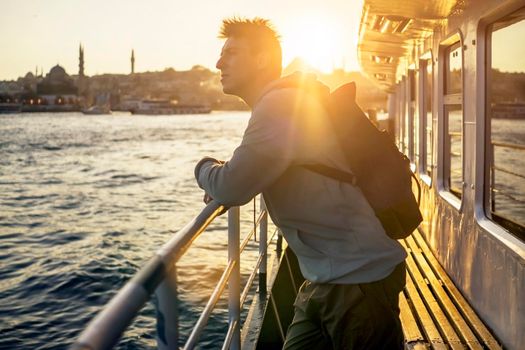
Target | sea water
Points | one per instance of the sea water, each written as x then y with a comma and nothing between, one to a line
86,201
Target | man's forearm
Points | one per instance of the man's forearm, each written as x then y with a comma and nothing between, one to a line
237,181
201,163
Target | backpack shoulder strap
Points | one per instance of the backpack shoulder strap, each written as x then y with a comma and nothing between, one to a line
332,172
341,98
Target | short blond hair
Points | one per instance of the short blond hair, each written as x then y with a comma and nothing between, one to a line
261,35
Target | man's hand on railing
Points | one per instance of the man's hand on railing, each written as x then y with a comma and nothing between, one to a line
207,199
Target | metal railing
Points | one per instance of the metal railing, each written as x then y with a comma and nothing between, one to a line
499,190
159,276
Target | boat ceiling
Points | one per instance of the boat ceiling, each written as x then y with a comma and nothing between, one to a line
389,29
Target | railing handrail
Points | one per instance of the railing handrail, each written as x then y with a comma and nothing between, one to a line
104,331
177,245
159,276
494,189
508,145
507,171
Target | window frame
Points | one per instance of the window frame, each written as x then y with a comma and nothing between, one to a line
426,170
412,114
495,231
400,124
445,100
483,196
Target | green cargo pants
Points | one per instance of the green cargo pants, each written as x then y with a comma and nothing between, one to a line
348,316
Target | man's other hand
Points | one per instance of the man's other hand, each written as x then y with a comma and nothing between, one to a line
207,198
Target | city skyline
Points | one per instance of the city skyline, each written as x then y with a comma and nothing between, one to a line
165,35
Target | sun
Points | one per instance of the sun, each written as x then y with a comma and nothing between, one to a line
317,41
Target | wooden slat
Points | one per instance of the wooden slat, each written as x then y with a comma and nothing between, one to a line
416,346
453,340
443,298
429,328
408,322
464,307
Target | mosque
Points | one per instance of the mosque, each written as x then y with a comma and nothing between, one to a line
58,91
58,88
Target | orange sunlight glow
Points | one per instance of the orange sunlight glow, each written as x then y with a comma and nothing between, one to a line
317,41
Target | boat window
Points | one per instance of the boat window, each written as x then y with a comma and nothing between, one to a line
403,140
506,124
426,71
414,118
406,118
453,84
453,147
398,135
453,117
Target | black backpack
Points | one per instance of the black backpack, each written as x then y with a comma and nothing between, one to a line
382,172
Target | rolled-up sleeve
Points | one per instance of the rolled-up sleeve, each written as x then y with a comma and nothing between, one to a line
263,155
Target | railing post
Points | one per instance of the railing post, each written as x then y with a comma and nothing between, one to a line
234,282
492,178
167,312
263,247
279,244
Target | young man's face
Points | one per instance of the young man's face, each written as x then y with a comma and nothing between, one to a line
238,66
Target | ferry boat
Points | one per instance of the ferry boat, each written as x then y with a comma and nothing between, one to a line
466,261
165,107
97,110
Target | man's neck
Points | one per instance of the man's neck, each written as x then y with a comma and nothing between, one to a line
255,92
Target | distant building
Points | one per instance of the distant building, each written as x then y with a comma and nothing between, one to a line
29,82
58,88
81,79
81,62
9,92
59,91
132,61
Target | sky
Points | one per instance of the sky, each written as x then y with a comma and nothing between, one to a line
165,33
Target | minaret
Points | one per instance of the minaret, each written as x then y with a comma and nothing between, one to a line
132,61
81,61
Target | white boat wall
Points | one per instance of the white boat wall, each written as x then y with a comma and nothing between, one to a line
433,58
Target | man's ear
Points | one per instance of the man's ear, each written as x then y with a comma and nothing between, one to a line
263,60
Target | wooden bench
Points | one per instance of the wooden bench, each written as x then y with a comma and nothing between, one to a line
434,314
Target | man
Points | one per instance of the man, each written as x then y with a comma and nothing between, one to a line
354,271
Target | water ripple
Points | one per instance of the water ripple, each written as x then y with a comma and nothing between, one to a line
85,203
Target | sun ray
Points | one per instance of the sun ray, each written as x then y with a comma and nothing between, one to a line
315,40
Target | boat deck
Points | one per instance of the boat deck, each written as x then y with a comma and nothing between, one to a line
434,314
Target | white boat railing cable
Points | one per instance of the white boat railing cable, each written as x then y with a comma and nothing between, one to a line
227,275
159,276
504,191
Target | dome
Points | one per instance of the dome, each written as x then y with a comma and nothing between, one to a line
57,72
29,75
